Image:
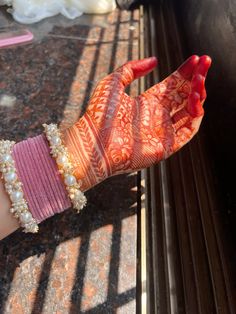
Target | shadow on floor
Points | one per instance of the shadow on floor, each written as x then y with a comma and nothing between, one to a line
39,76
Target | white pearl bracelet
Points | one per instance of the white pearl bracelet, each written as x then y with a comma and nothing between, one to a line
13,187
61,155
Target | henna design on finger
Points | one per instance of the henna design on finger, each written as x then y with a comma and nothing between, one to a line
120,134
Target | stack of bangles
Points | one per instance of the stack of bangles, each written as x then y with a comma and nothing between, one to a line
38,185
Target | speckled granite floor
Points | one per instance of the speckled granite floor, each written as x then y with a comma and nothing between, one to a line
76,264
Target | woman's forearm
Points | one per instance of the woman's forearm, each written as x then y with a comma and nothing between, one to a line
49,183
8,223
117,134
42,186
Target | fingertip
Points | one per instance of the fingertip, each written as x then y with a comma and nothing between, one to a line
194,59
194,106
203,65
132,70
207,59
153,60
188,67
143,66
198,78
194,97
197,85
204,94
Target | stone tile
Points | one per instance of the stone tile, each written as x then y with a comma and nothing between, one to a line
77,263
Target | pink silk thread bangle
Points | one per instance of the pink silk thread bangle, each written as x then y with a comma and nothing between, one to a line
43,187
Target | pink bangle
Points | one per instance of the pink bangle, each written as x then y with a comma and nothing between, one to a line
43,188
19,207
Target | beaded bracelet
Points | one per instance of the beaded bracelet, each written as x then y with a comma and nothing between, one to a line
61,155
13,186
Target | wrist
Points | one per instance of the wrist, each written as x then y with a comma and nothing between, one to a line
8,223
91,164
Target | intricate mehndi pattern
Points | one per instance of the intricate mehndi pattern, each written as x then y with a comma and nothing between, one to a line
120,134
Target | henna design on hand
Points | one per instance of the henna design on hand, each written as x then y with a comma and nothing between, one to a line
120,134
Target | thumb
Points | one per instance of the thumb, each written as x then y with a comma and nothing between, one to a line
135,69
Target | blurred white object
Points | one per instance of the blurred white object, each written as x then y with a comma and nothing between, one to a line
31,11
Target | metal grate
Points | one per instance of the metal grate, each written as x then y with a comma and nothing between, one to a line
188,270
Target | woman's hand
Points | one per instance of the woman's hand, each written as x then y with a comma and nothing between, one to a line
119,134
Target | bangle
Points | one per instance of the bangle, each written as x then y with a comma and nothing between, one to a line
13,186
61,155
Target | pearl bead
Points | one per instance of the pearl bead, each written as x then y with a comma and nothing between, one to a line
70,180
55,140
6,158
26,217
62,159
16,196
10,177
